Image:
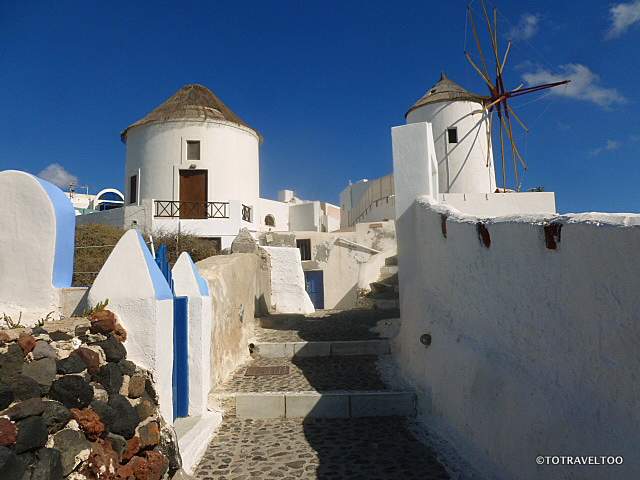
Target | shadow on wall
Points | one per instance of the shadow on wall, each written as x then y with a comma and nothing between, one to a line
349,299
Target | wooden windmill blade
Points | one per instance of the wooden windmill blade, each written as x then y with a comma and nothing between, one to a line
498,101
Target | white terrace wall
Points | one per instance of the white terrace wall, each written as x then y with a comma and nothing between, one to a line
236,286
534,351
37,228
188,282
288,294
141,298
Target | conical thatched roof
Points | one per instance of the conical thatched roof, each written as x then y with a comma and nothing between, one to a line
446,90
191,102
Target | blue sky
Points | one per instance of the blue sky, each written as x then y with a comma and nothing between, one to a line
322,81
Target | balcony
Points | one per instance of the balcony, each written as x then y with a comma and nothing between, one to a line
191,210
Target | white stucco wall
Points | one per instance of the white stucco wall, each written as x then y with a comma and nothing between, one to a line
140,297
288,294
235,291
280,212
37,227
534,351
415,165
304,216
188,282
229,152
496,204
344,258
462,166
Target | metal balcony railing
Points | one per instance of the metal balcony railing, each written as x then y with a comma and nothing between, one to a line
246,213
190,210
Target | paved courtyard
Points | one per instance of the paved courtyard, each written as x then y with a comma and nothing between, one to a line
288,449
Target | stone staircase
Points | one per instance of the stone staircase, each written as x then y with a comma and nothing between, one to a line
331,360
385,292
325,409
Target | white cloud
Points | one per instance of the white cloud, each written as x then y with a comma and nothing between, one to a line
56,174
623,16
526,28
607,147
585,85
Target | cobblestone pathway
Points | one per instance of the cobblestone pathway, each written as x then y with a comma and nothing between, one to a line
309,374
354,449
361,442
324,325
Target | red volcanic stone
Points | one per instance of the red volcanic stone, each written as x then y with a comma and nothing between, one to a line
149,435
90,358
102,462
89,421
119,332
133,447
136,469
103,322
8,432
158,464
26,342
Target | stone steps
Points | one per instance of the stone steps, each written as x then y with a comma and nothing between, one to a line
330,404
321,349
340,386
324,326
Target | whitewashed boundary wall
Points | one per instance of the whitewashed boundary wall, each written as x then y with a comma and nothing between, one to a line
188,282
534,336
415,167
141,298
37,235
288,294
236,288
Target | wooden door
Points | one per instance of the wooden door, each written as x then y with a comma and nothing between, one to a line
193,194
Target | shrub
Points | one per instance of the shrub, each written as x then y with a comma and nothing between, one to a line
94,243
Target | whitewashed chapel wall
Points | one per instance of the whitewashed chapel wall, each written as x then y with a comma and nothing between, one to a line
534,349
37,227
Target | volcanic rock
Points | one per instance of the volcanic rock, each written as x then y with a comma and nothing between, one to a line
8,432
126,419
32,434
72,391
55,415
71,364
11,468
43,350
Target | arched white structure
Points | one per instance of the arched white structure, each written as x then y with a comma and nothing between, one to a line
462,163
193,130
102,202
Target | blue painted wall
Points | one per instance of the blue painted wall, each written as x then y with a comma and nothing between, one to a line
65,235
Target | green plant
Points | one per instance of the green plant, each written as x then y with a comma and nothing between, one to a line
48,318
97,308
10,322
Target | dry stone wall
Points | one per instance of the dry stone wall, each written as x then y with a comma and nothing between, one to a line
72,406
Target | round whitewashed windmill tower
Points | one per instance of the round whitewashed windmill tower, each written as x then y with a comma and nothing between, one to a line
461,135
192,149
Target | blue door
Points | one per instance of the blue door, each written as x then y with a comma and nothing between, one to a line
314,284
180,340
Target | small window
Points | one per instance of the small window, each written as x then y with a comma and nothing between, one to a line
452,135
133,189
193,150
305,248
270,221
